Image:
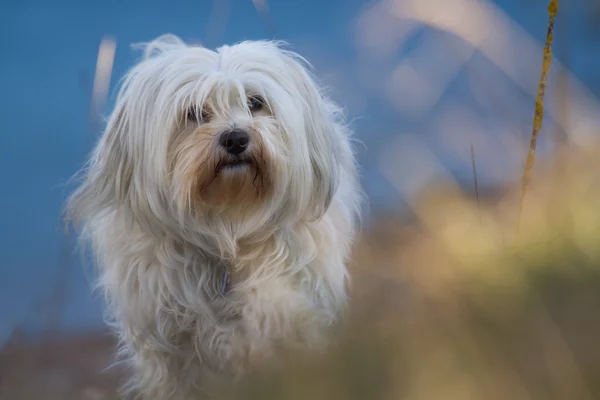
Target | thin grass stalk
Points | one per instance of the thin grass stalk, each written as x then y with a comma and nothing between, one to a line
539,110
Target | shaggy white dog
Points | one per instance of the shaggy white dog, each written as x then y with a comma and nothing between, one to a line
220,205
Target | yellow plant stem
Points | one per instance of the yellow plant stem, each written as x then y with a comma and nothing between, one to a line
539,108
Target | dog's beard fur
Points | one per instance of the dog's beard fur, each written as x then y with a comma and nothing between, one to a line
167,214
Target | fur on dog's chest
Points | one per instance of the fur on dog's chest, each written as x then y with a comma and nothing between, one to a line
258,313
260,293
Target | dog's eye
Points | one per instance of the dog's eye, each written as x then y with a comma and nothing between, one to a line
192,115
256,103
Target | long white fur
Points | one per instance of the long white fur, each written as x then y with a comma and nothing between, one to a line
160,250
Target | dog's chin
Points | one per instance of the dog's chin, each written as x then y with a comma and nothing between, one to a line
237,185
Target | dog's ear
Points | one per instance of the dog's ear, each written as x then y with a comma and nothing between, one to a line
108,175
323,132
128,160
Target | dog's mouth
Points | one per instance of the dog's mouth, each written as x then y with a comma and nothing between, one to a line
236,164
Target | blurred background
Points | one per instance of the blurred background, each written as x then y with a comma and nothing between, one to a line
441,95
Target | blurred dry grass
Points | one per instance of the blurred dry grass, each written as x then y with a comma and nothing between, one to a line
452,309
59,368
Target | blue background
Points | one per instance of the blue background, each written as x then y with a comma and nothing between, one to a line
48,52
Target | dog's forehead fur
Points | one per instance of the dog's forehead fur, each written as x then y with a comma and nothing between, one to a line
186,75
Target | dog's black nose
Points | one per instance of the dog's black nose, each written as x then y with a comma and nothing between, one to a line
235,141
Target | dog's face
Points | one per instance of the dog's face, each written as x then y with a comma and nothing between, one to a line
238,132
226,150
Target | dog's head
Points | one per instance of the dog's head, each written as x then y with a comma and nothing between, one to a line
238,132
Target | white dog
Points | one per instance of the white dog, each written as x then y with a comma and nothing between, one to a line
220,204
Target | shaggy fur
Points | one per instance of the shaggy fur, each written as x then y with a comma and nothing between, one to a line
210,266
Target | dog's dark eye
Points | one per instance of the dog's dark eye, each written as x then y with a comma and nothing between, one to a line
192,115
256,103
